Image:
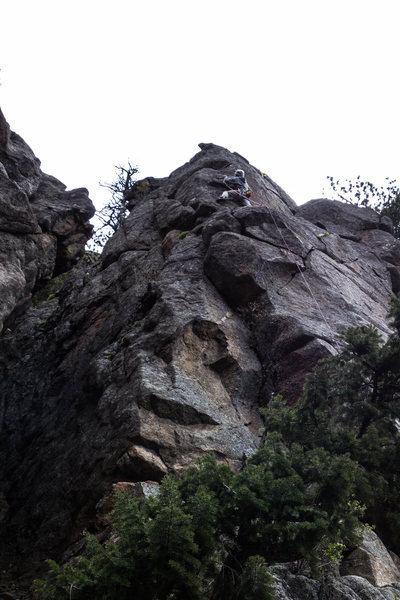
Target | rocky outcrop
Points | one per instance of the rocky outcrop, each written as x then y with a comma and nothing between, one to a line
290,585
43,227
372,561
165,348
367,572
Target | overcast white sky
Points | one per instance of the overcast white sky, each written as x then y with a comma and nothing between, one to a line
301,88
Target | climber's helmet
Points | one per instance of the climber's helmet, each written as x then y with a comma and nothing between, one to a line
239,173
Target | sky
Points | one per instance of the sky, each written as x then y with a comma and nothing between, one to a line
302,88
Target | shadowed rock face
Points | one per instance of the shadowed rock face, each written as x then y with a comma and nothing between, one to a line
165,348
43,227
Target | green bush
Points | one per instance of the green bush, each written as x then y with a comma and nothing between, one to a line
212,532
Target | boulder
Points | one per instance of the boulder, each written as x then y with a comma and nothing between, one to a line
346,220
372,561
223,220
292,585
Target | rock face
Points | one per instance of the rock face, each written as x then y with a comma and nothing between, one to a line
293,586
372,561
367,572
43,227
166,347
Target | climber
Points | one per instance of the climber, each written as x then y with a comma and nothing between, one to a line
238,188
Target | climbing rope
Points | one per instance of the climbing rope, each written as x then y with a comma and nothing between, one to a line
334,341
246,196
299,268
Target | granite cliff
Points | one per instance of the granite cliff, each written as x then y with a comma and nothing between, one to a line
163,349
43,227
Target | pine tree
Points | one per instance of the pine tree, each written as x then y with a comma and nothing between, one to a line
255,582
173,551
351,407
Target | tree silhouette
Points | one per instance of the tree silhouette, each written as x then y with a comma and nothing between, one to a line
112,215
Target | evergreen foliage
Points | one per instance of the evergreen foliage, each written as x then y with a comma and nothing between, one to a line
211,533
350,407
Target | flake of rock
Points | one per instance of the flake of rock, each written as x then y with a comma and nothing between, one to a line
372,561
